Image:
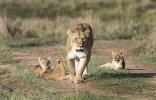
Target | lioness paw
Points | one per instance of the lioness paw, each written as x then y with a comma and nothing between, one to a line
78,80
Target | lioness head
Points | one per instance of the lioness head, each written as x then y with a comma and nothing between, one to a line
44,62
79,36
117,55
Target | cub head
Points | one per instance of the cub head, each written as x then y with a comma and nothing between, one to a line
44,62
79,36
117,55
61,62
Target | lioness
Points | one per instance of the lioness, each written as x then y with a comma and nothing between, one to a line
78,48
118,61
58,73
44,66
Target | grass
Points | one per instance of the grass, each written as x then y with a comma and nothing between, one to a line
88,96
28,86
8,44
120,82
84,96
110,19
32,79
148,60
6,59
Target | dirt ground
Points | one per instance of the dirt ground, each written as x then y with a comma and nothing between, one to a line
101,49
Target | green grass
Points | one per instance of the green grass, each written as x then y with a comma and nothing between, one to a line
33,79
110,19
89,96
120,82
24,84
148,60
25,43
28,86
5,95
6,59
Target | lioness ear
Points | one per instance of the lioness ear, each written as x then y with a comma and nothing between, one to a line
69,33
87,32
61,58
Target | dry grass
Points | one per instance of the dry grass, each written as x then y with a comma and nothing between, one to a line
3,28
110,19
148,45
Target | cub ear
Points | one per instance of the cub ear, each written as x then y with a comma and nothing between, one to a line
39,59
121,51
112,51
87,32
49,58
58,61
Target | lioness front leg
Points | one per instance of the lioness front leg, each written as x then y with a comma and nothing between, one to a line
82,65
71,64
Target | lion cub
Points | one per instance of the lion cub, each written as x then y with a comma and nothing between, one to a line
118,61
58,73
44,66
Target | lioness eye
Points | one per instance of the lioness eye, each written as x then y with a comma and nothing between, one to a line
75,39
83,39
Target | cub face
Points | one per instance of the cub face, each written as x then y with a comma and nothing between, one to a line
61,62
44,63
79,36
117,55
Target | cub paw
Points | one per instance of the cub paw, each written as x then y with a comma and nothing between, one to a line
70,77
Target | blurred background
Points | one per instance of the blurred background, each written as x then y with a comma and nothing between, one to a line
110,19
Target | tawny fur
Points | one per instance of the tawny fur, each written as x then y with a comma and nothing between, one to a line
118,61
58,73
44,66
78,48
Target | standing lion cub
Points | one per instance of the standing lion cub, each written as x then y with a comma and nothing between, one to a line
118,61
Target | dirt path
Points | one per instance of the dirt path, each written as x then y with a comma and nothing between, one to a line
102,49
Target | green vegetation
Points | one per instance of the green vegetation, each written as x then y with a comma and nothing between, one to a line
9,44
120,82
88,96
26,85
6,59
149,60
110,19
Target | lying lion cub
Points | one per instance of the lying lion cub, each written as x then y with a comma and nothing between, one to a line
118,61
44,66
58,73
